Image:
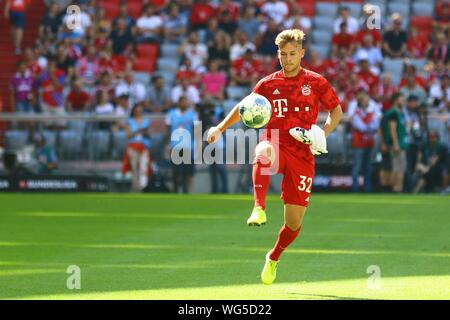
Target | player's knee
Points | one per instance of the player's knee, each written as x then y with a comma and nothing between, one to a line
293,225
265,152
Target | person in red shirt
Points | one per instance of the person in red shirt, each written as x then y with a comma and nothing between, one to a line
15,11
78,99
246,70
342,39
417,44
385,91
410,71
315,63
201,13
294,93
368,77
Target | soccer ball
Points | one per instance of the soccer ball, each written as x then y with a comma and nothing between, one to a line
255,110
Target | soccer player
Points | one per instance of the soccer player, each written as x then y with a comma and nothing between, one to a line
290,141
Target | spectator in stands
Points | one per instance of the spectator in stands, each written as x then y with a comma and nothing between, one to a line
186,71
121,40
229,7
105,83
365,125
123,15
88,68
201,12
101,23
15,11
227,23
240,45
442,20
213,82
439,51
103,105
195,51
149,26
210,114
265,41
344,16
51,85
439,98
363,98
158,95
366,76
411,71
248,23
175,25
368,26
209,35
220,51
296,20
245,71
275,10
417,44
187,90
415,138
385,91
395,39
134,89
51,22
78,100
412,88
137,157
370,52
394,141
46,159
433,165
180,123
342,39
21,86
64,61
315,63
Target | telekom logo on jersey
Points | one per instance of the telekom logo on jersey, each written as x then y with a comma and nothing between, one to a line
281,106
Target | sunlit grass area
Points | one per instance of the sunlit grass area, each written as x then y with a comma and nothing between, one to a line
199,247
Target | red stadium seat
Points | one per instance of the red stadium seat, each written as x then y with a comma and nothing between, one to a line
144,64
111,8
422,23
135,9
308,8
147,50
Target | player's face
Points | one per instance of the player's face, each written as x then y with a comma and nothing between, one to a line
290,56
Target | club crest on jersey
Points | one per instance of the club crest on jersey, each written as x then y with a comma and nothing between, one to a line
306,89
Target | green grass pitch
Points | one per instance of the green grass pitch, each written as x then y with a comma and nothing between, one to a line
199,247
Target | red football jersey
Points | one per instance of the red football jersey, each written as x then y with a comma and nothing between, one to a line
295,102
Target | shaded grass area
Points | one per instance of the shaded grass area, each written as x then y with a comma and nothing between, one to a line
198,247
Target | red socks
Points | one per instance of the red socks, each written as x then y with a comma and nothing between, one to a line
261,180
285,238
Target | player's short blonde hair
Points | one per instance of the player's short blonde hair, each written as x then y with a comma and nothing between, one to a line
290,35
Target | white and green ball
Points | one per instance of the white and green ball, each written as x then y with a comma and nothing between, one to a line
255,111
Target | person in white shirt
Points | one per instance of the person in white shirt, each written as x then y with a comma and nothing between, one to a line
149,26
440,95
238,48
344,16
135,90
195,51
275,10
296,20
372,106
371,53
184,88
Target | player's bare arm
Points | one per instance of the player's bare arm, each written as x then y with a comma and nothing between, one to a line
333,119
215,132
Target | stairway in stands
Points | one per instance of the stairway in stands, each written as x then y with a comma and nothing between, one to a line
8,58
